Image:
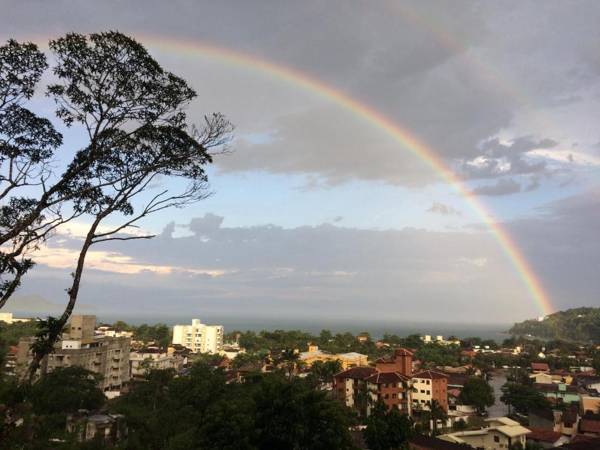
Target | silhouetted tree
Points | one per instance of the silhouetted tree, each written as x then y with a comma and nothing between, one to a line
133,114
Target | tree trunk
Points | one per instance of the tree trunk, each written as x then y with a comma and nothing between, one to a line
73,291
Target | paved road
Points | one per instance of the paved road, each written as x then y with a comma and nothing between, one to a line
498,409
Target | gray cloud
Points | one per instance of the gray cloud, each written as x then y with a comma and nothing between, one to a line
504,186
561,243
269,270
204,226
454,77
499,159
445,210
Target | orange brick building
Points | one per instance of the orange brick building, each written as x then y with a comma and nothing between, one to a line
428,386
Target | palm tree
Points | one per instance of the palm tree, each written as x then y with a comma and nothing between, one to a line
437,413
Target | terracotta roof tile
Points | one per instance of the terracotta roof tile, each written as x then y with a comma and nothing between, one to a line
386,377
432,374
357,373
543,435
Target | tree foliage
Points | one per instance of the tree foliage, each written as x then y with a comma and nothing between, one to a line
133,114
200,410
577,324
387,429
477,392
523,398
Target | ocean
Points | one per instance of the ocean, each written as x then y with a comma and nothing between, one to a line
377,329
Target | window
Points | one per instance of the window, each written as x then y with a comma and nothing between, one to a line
427,382
422,391
496,438
428,392
393,395
387,395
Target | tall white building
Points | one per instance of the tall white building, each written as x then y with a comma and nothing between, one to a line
198,337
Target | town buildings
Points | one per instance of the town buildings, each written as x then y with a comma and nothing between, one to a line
429,386
153,358
401,362
79,346
350,386
391,388
198,337
389,382
347,360
499,433
8,318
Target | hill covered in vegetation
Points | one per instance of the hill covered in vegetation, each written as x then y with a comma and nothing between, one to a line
578,324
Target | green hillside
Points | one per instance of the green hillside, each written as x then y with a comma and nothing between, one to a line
578,324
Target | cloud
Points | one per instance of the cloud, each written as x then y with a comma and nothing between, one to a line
268,270
261,269
205,226
499,159
452,77
445,210
501,187
561,243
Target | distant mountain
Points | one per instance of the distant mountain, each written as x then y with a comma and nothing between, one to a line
578,324
35,305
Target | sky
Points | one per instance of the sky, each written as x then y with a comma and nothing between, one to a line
317,210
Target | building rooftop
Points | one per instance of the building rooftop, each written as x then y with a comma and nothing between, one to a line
540,366
432,443
357,373
544,435
387,377
493,421
513,430
431,374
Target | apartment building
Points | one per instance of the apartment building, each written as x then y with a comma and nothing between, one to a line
108,357
389,381
428,386
198,337
143,360
401,362
350,386
391,388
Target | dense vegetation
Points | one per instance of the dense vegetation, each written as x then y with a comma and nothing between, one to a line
280,340
577,325
197,410
158,333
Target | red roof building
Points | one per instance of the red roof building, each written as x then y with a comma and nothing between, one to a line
540,367
391,388
544,436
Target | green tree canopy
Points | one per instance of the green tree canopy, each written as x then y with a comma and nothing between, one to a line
477,392
387,430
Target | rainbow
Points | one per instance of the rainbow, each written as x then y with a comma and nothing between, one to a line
403,136
370,115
